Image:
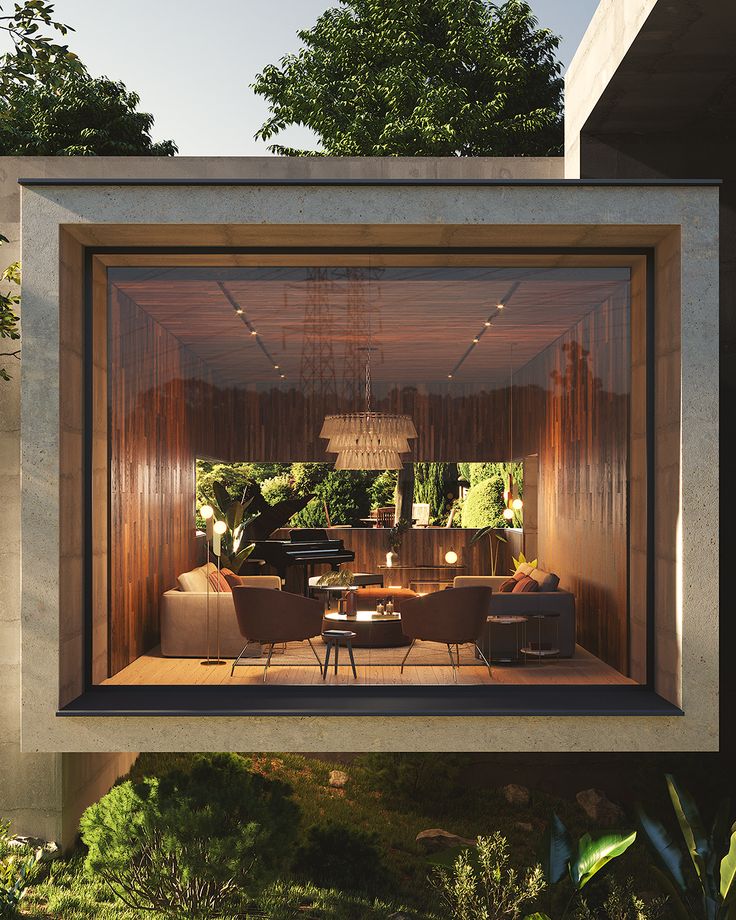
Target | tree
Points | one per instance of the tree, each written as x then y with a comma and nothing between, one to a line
9,301
420,78
77,116
34,57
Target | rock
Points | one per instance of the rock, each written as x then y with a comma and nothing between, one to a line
524,826
46,850
338,779
436,839
599,808
516,795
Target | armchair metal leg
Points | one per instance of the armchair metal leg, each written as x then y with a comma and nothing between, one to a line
403,660
242,652
319,660
487,662
452,663
268,661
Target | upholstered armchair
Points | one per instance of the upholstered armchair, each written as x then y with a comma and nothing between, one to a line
453,617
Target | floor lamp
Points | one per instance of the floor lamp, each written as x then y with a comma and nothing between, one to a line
207,513
219,529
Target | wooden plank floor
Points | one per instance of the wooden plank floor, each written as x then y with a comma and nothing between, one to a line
428,664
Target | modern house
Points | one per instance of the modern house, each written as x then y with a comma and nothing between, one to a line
558,315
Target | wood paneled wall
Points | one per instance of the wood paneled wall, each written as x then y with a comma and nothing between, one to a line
571,409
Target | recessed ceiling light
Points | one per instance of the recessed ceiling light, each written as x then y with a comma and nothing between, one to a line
487,323
449,376
239,310
499,306
275,367
476,340
283,376
253,332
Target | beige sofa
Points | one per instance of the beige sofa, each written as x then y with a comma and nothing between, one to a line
558,601
184,616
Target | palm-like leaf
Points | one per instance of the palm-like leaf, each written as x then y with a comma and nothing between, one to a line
222,498
479,534
593,855
664,847
691,825
557,850
728,872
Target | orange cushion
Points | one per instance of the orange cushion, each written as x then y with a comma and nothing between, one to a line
218,582
518,575
233,580
525,585
508,586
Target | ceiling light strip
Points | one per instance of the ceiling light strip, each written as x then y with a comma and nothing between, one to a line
240,312
502,303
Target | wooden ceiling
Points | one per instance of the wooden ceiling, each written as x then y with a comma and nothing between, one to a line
421,319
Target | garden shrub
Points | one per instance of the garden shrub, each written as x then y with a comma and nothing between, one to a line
619,901
481,885
436,484
383,489
199,841
483,505
277,489
413,778
336,856
17,869
347,497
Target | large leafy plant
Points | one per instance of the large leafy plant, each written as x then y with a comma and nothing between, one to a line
233,548
579,863
9,319
711,852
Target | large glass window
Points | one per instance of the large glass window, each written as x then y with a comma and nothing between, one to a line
496,551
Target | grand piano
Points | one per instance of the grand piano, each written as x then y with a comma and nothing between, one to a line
306,547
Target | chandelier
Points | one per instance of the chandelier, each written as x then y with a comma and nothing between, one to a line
368,440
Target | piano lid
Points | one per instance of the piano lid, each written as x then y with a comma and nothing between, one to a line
308,535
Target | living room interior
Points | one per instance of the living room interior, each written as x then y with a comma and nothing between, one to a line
383,468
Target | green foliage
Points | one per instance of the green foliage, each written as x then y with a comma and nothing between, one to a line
234,548
9,301
620,902
292,901
483,505
346,494
409,778
77,116
236,477
33,58
712,854
278,488
395,535
196,840
383,489
17,871
418,78
336,856
484,886
435,484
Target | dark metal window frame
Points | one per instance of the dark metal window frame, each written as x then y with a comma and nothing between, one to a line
476,700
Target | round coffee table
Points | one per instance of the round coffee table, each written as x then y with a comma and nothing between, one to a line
371,630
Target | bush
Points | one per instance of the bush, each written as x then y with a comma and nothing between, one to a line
483,505
277,489
198,841
17,869
339,857
482,886
436,485
414,778
346,494
383,489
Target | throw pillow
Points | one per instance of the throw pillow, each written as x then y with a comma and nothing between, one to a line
547,581
218,582
518,575
525,585
233,580
508,586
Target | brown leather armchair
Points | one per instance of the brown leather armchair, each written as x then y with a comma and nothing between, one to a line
271,617
454,617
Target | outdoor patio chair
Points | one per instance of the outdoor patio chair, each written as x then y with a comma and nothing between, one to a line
271,617
454,617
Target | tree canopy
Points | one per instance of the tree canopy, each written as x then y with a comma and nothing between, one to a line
420,78
77,116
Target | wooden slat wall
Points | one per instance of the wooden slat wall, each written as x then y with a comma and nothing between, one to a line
151,475
571,407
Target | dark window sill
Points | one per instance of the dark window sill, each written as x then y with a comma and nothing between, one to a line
369,701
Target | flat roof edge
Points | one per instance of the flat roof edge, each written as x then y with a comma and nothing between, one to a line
38,181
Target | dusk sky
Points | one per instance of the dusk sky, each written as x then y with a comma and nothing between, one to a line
192,62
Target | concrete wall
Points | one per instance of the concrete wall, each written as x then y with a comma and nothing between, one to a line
488,215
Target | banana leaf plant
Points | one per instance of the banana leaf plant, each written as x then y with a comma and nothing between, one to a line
560,857
712,853
233,548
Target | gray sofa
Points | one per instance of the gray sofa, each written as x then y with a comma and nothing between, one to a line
502,604
184,616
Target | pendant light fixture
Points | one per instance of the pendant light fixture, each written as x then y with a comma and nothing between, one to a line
512,504
368,440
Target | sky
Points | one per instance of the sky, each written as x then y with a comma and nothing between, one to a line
192,62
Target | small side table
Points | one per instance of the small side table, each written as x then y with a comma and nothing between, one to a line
519,624
540,651
333,638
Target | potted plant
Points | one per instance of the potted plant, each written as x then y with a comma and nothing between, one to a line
495,539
